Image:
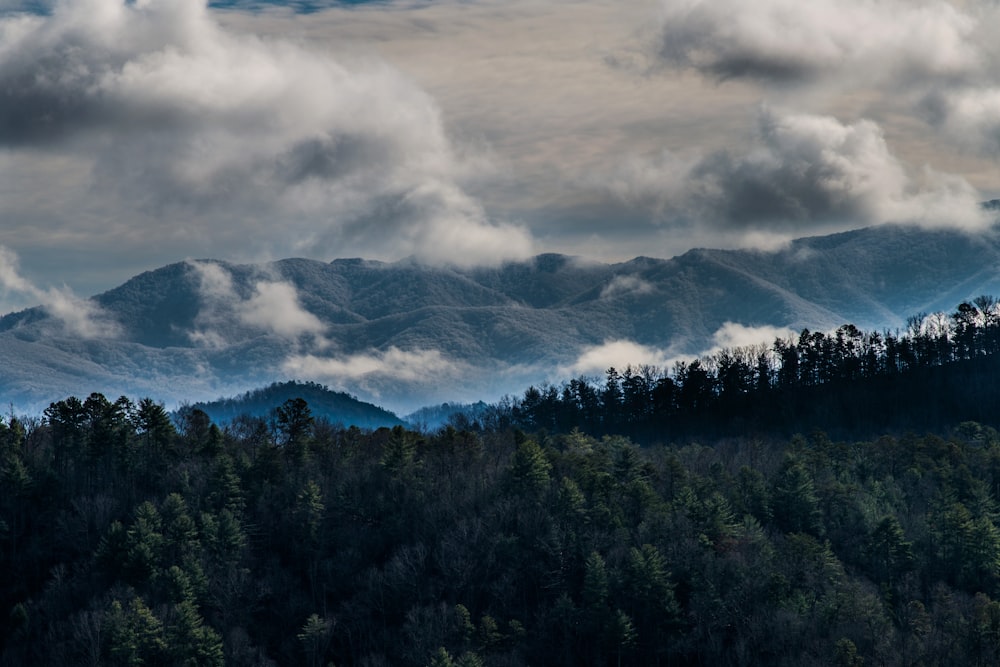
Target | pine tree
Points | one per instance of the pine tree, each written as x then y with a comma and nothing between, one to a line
315,638
441,658
796,506
529,470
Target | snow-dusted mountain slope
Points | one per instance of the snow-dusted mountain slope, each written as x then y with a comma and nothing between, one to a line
406,335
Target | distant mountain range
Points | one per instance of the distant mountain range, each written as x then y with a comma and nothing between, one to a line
406,335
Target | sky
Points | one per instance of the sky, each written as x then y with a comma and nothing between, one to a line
136,134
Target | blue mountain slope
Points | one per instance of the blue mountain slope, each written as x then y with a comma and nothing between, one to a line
405,335
336,407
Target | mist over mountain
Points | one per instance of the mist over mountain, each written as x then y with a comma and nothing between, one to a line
406,335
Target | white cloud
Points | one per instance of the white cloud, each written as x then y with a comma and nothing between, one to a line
803,172
215,283
215,287
733,335
889,58
78,317
625,284
10,276
791,42
454,230
370,369
191,131
144,152
596,359
272,308
275,307
969,116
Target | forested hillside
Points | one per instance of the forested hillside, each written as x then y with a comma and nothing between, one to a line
129,539
940,371
334,406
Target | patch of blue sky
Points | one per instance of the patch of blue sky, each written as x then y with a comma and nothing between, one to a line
26,6
300,6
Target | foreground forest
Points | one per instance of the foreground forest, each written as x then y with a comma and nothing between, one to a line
534,535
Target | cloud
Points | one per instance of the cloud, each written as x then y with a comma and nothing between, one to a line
937,57
369,370
78,317
215,287
596,359
621,285
790,42
446,226
445,130
273,307
733,335
189,131
802,173
969,116
215,283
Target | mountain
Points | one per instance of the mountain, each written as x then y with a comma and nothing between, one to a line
436,416
406,335
335,406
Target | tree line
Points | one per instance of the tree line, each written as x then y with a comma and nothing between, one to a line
849,381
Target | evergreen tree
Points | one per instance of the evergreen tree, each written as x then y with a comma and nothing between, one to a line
796,505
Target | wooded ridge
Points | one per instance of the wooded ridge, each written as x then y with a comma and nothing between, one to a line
526,537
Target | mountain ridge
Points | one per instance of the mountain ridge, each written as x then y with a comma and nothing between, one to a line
333,406
412,335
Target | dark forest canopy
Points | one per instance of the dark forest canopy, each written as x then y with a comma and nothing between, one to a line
941,370
127,541
127,538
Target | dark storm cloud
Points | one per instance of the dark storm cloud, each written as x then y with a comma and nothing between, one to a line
804,169
192,131
801,173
